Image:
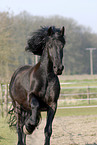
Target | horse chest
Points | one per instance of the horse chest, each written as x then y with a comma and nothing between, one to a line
52,92
48,91
39,87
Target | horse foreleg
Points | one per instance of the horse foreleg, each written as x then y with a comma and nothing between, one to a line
31,123
48,129
21,136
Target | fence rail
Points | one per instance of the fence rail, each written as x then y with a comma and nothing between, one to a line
76,94
77,107
85,87
5,99
87,93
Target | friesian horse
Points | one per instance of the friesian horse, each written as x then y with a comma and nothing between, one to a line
36,88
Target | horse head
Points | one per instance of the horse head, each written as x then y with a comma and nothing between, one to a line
55,45
51,38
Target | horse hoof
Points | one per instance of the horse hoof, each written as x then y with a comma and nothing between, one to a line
26,131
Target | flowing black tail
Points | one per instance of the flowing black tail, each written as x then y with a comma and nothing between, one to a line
12,119
24,116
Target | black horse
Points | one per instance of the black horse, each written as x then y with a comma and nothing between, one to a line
36,88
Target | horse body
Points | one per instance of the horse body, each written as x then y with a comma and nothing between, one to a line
27,82
36,88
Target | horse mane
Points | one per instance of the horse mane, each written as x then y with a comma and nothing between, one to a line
38,39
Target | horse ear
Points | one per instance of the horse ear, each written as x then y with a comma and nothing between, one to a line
50,31
62,31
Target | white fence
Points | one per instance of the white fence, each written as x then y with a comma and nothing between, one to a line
87,93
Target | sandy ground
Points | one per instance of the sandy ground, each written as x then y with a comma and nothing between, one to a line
81,130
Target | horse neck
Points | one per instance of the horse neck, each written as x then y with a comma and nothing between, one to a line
46,63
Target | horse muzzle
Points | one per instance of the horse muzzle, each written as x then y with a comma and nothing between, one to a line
58,71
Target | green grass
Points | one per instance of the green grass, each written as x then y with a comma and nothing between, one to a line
71,103
76,112
7,136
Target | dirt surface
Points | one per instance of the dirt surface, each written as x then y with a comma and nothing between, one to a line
80,130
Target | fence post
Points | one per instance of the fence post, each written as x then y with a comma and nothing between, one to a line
1,101
88,96
6,99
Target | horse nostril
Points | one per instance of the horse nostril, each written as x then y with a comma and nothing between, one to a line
62,67
58,70
55,67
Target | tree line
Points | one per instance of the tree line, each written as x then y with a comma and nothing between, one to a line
15,30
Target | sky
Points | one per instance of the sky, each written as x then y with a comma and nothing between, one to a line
82,11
